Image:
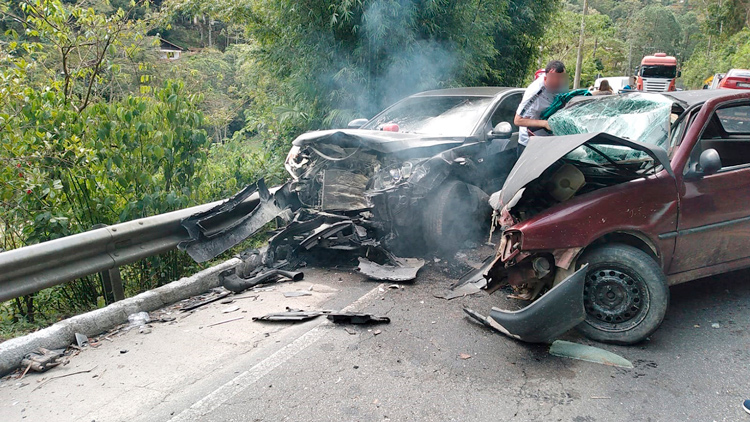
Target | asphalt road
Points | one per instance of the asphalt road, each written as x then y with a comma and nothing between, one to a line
410,369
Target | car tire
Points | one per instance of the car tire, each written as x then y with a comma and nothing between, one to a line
451,216
625,295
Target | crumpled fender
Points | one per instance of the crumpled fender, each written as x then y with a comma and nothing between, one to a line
547,318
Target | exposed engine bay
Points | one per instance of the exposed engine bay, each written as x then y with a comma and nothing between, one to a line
359,192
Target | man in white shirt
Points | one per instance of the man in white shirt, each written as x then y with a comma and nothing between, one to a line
538,96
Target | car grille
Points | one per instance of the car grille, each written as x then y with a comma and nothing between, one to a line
656,85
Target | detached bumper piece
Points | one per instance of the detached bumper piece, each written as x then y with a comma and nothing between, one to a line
218,229
547,318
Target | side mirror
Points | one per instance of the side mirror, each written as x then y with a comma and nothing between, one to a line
356,123
709,162
679,73
502,130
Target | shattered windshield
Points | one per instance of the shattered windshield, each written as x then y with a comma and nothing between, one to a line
637,117
437,116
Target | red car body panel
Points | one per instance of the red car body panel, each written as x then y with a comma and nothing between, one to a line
698,226
647,207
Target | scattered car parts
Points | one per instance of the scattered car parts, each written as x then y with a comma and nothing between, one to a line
294,315
405,269
566,349
357,318
545,319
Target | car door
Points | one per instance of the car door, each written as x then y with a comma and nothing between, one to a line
714,222
501,153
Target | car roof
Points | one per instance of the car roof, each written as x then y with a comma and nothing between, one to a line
698,96
479,91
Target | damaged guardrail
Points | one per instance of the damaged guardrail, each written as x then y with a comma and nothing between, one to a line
32,268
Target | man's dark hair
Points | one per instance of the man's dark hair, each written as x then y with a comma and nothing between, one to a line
555,66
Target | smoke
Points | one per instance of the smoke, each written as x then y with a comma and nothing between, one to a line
393,59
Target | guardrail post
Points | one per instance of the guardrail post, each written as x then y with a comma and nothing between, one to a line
112,283
111,280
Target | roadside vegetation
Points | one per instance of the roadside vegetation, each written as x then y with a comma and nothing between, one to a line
98,126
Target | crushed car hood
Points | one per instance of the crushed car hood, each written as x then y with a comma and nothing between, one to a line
543,151
380,141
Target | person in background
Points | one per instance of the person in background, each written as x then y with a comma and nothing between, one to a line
604,88
631,86
538,96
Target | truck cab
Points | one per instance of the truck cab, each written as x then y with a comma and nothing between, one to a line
657,73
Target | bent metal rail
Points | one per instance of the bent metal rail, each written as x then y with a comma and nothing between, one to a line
32,268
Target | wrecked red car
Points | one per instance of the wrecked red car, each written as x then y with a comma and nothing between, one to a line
634,193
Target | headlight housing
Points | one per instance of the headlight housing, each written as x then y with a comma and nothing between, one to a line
294,162
395,174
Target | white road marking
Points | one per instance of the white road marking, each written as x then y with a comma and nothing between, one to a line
241,382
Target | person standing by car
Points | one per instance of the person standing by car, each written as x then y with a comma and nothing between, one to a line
538,96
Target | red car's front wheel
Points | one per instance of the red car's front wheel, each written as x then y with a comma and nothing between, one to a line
625,294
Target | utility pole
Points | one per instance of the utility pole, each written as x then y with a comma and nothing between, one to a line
579,56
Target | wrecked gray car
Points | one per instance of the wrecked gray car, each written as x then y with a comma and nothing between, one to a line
415,178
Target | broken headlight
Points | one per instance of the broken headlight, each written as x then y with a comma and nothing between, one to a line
395,174
294,162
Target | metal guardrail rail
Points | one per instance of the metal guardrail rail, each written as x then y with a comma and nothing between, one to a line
32,268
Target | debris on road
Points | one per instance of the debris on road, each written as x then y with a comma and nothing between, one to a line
297,294
230,309
405,269
357,318
566,349
715,325
461,291
63,376
210,298
42,359
236,282
294,315
225,321
139,319
81,340
464,356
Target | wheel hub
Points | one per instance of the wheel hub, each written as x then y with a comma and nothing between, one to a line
614,299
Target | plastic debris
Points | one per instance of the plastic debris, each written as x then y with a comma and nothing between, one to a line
42,359
715,325
230,309
405,269
138,319
294,315
81,340
461,291
464,356
356,318
566,349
